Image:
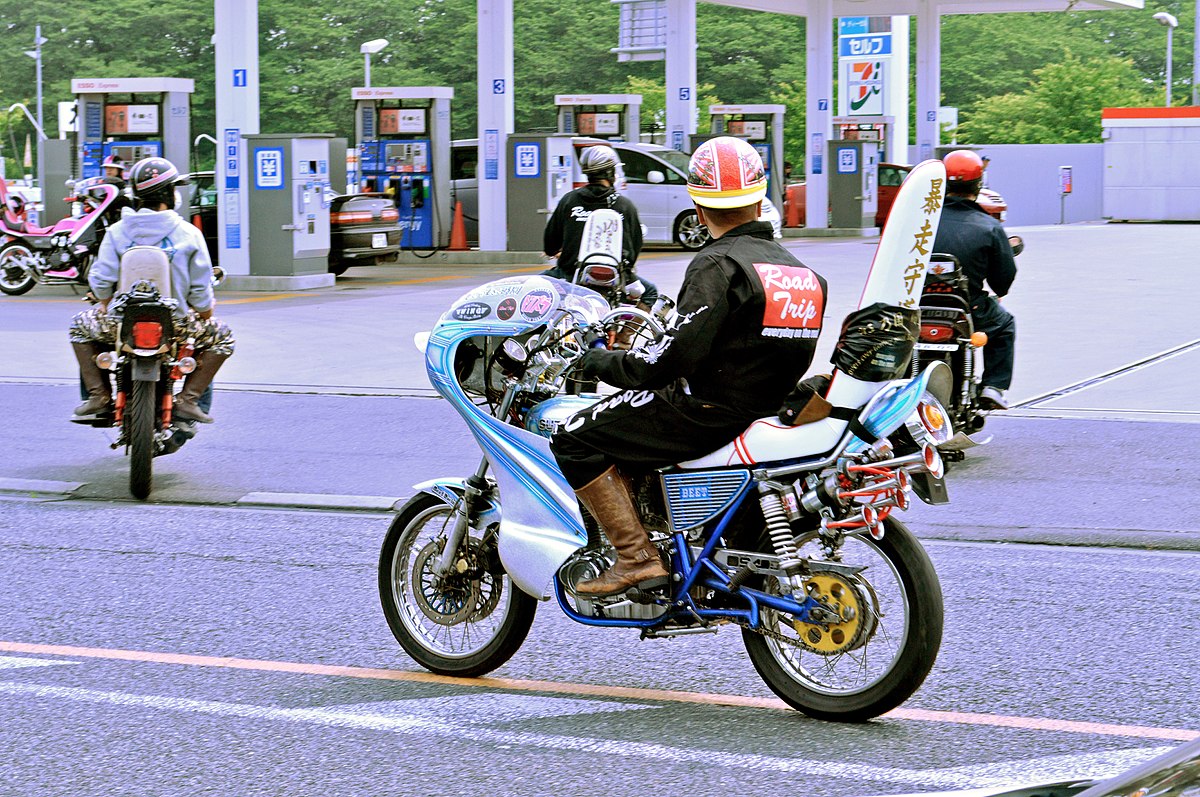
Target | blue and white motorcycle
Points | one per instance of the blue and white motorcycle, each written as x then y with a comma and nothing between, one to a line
786,533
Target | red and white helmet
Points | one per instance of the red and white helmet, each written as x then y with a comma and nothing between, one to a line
963,165
726,172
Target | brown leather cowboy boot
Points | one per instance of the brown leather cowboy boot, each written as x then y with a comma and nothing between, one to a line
95,382
185,407
638,564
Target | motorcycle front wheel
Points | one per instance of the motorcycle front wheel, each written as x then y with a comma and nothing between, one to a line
882,651
139,429
465,624
15,277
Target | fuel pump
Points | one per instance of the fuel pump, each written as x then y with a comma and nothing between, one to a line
762,126
403,140
866,128
132,118
614,117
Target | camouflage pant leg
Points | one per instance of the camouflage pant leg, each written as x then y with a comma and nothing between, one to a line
210,334
95,325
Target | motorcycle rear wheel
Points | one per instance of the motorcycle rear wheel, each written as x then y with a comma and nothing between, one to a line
15,279
465,626
883,668
139,427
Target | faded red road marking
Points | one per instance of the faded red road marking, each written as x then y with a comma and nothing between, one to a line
520,685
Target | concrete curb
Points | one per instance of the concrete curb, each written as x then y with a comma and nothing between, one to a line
38,486
354,503
384,504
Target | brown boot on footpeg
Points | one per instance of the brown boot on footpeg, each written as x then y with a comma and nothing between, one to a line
638,564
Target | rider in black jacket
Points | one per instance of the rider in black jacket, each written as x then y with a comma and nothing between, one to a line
749,317
564,230
985,255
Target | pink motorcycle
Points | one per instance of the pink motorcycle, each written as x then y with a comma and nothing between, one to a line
57,255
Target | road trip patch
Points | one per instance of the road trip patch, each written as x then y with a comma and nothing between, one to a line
795,301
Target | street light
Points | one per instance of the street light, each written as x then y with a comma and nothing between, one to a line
36,55
373,46
1169,20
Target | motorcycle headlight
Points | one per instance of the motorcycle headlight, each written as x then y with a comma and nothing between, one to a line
930,422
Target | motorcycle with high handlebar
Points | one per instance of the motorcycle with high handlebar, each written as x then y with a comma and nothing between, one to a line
948,335
146,364
788,533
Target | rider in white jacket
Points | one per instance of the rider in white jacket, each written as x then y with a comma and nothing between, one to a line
154,223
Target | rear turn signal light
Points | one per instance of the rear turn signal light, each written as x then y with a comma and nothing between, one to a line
936,333
979,339
147,334
106,360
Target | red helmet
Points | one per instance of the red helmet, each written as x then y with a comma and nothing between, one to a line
963,165
726,172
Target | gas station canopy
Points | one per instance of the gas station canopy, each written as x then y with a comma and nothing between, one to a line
869,8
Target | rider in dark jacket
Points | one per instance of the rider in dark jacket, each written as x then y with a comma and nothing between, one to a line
983,251
749,317
564,230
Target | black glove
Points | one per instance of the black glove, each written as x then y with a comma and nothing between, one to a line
590,364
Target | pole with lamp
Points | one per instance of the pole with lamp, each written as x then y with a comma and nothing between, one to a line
373,46
36,55
1172,23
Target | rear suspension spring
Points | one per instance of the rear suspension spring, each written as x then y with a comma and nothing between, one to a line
779,530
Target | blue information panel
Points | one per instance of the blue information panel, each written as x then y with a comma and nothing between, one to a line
865,46
269,173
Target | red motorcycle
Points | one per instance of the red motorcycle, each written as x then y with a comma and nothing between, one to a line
57,255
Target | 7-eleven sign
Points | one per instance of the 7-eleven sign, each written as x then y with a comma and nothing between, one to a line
864,88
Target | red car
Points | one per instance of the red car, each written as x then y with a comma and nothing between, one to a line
891,175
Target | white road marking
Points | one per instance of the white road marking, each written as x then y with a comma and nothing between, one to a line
359,718
487,708
20,662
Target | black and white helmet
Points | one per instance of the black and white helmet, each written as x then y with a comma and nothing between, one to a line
153,177
598,159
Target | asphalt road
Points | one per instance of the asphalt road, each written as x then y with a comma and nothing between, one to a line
105,601
120,619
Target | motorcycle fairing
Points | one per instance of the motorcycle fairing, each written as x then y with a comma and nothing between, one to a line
541,525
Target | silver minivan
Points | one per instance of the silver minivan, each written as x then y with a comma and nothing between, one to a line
656,182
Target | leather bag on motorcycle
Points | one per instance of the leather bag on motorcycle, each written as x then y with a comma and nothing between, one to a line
877,342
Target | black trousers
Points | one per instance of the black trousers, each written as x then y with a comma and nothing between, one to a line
640,430
990,316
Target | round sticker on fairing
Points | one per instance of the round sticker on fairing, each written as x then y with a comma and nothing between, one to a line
471,311
506,309
536,304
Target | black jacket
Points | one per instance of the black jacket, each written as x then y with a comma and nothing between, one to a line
564,231
749,317
980,244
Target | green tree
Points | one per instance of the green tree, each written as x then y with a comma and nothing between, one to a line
1062,106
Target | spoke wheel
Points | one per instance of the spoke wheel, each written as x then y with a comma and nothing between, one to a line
467,623
689,232
15,277
881,648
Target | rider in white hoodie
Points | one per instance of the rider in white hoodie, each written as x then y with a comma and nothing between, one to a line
154,223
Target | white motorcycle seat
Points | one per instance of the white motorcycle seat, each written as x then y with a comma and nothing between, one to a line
768,440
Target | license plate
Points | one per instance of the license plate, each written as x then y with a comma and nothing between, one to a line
379,240
936,347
